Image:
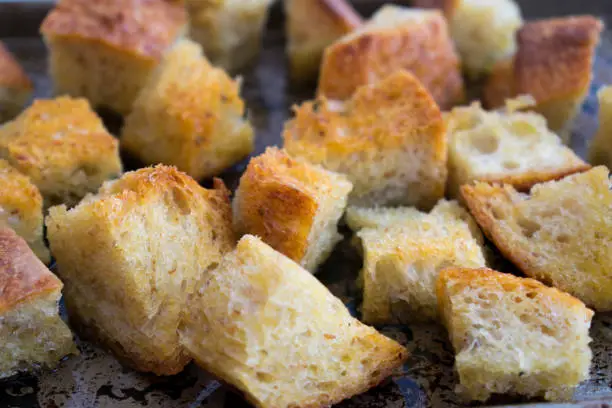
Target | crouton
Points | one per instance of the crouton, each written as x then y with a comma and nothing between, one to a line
189,115
395,38
553,63
448,7
514,335
600,151
508,147
31,330
15,86
130,256
389,139
312,25
560,234
105,50
62,145
230,31
266,326
401,265
292,205
21,209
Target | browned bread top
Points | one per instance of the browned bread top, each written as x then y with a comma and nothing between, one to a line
12,74
23,194
447,6
22,274
142,27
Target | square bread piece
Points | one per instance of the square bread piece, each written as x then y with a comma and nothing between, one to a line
230,31
553,63
15,86
189,115
505,146
514,335
131,255
62,145
560,234
292,205
389,139
395,38
21,208
266,326
31,330
311,26
600,151
402,263
105,50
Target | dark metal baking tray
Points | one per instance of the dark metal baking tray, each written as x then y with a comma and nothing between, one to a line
95,379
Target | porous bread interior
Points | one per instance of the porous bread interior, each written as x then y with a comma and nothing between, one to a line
33,334
600,151
514,338
274,331
560,234
484,33
500,145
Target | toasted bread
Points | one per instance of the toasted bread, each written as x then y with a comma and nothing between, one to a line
15,86
600,151
448,7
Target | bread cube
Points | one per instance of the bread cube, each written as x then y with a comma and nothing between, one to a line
389,139
514,335
395,38
292,205
560,234
448,7
62,145
230,31
402,263
553,63
15,86
31,330
312,25
189,115
21,209
264,325
508,147
131,255
600,151
105,50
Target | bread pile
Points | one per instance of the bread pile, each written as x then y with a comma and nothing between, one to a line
162,271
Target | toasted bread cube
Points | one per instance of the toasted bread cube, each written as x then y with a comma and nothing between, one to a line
600,151
21,209
402,262
514,335
230,31
15,86
560,234
389,139
448,7
31,330
266,326
395,38
499,86
312,25
553,63
130,256
105,50
292,205
508,147
189,115
62,145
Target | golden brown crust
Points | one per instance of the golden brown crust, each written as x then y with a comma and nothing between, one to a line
145,28
22,274
12,74
499,86
23,196
447,6
523,182
370,55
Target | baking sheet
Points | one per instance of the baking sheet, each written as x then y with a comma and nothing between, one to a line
427,380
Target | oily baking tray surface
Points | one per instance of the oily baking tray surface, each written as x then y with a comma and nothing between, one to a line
95,379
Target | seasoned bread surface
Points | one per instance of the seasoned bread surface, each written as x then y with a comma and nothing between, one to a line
15,86
389,140
266,326
600,151
189,115
292,205
131,255
560,234
514,335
